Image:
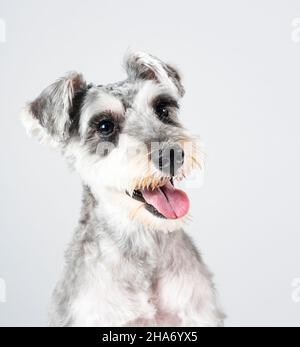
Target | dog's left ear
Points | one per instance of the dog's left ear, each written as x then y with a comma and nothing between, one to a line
147,67
51,115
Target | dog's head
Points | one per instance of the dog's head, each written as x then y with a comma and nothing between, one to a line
124,139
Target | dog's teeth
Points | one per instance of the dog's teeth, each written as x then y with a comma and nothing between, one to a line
144,184
149,183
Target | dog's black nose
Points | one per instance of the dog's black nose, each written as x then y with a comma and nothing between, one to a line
168,160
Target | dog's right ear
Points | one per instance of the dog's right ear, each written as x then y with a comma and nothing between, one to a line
145,66
50,116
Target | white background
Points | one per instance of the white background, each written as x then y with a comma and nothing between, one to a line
241,64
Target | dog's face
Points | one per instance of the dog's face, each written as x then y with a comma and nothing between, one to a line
124,139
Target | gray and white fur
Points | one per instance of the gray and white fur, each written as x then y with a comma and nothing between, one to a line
126,265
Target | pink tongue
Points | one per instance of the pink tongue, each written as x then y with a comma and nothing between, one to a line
170,202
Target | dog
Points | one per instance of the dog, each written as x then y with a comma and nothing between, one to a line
130,262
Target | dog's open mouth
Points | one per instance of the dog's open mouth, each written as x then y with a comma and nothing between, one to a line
164,201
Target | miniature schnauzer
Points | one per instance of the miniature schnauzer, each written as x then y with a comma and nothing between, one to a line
130,263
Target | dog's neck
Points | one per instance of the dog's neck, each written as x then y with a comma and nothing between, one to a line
99,219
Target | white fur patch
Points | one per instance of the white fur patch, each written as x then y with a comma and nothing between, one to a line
35,130
149,90
155,65
111,177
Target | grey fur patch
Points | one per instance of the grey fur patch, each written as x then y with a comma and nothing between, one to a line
125,91
68,288
174,75
75,111
139,68
53,106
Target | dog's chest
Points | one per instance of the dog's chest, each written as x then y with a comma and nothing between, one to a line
120,289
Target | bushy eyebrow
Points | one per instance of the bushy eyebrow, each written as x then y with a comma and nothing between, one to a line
108,114
165,99
100,103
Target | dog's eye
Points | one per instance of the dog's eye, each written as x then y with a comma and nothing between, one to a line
162,110
106,127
